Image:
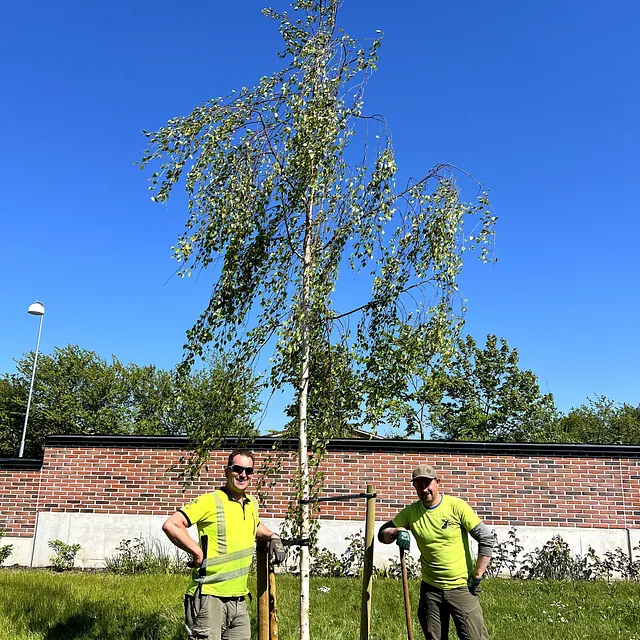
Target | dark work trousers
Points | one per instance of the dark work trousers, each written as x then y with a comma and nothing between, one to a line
438,605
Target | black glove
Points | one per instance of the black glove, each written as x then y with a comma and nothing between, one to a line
474,586
276,549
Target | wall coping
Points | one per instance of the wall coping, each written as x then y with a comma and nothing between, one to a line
263,443
17,464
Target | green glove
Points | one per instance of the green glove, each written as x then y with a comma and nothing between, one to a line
474,586
403,540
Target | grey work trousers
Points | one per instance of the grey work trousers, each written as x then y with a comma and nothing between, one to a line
209,617
437,606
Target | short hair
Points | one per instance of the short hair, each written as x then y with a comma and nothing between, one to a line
241,452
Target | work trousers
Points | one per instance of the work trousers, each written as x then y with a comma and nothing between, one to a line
209,617
437,606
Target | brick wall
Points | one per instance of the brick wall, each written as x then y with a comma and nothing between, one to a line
535,485
19,481
580,488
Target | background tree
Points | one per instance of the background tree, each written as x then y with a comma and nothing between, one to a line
599,421
75,392
404,384
486,397
13,405
151,400
335,393
221,400
278,208
78,392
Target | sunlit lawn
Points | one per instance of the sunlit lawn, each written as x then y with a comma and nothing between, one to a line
82,606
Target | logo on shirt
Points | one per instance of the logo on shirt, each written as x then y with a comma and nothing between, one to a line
445,523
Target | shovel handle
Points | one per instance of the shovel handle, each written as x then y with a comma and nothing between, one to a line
407,601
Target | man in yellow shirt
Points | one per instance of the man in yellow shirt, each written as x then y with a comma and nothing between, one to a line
228,525
450,579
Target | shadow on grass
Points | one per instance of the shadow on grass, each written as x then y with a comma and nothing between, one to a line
77,625
56,613
97,623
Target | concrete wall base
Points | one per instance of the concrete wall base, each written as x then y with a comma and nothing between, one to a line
21,552
100,535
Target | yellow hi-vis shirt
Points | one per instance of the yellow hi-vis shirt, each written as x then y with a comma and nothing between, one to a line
231,529
441,535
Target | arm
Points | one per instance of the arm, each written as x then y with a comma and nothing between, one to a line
175,528
481,534
263,532
389,532
481,565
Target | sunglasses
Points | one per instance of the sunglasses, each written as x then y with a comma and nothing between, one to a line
236,468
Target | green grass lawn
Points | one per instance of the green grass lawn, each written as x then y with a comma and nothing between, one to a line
40,605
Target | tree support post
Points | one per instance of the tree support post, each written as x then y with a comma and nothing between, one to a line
262,570
365,612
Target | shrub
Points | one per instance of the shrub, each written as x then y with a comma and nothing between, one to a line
505,555
325,563
5,550
145,556
554,561
349,563
394,569
65,557
352,558
618,564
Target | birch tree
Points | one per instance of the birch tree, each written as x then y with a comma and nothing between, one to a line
279,204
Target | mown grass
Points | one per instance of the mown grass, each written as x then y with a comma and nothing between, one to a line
37,605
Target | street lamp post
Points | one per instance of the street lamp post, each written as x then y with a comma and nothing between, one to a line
36,309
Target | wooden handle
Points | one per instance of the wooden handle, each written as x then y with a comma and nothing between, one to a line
273,606
407,601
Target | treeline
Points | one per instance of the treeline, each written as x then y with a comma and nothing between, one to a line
78,392
484,396
480,395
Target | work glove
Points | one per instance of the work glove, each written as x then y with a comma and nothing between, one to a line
403,540
474,586
276,549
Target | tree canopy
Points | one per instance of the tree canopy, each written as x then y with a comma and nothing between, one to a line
280,204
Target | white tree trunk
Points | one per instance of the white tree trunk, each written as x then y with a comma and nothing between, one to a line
302,418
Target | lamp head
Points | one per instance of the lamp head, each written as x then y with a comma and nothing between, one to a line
36,309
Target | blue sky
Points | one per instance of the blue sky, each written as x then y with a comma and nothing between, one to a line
539,101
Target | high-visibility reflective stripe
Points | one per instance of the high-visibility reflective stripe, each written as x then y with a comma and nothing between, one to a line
228,557
222,577
222,526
